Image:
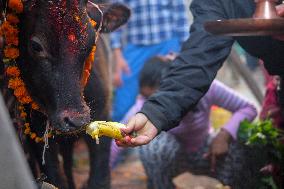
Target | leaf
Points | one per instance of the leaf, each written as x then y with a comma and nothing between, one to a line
269,182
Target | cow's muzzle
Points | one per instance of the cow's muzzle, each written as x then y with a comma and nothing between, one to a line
69,121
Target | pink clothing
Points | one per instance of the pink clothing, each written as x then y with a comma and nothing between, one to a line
194,127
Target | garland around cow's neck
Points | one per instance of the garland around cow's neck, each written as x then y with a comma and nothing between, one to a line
9,31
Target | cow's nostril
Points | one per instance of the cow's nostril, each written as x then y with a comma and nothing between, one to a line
68,122
71,120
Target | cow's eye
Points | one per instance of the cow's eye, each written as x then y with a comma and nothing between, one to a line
36,46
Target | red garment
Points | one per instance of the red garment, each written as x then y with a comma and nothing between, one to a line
270,106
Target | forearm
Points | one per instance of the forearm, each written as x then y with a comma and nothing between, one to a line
191,73
226,98
232,126
181,89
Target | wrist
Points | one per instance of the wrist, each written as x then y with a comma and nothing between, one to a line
226,135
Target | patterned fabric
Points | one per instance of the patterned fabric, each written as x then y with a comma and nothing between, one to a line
164,158
153,21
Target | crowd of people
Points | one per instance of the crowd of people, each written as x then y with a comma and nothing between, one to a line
167,99
164,88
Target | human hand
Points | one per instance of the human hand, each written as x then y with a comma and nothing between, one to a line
280,12
121,67
218,148
144,129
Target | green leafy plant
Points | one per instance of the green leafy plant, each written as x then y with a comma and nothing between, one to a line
260,133
263,135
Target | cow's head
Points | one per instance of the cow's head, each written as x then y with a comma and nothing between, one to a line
56,37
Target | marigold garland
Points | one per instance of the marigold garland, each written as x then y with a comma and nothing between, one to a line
16,5
13,71
87,67
9,31
11,52
11,18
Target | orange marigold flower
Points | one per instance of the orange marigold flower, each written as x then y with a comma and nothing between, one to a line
12,40
25,99
16,5
91,57
38,139
88,66
11,52
27,131
20,91
13,71
33,135
23,115
85,78
13,19
27,124
15,83
35,106
6,27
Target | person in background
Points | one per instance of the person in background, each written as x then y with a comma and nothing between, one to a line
195,68
187,146
155,27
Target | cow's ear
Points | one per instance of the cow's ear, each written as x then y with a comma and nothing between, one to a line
109,16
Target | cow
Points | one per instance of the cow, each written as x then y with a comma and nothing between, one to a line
55,38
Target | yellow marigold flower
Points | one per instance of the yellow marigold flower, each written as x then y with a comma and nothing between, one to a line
11,52
13,19
16,5
23,115
27,131
15,83
33,135
38,139
13,71
77,18
93,23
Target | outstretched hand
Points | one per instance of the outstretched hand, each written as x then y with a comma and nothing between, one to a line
280,12
144,129
218,148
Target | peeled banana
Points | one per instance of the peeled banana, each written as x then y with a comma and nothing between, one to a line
103,128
